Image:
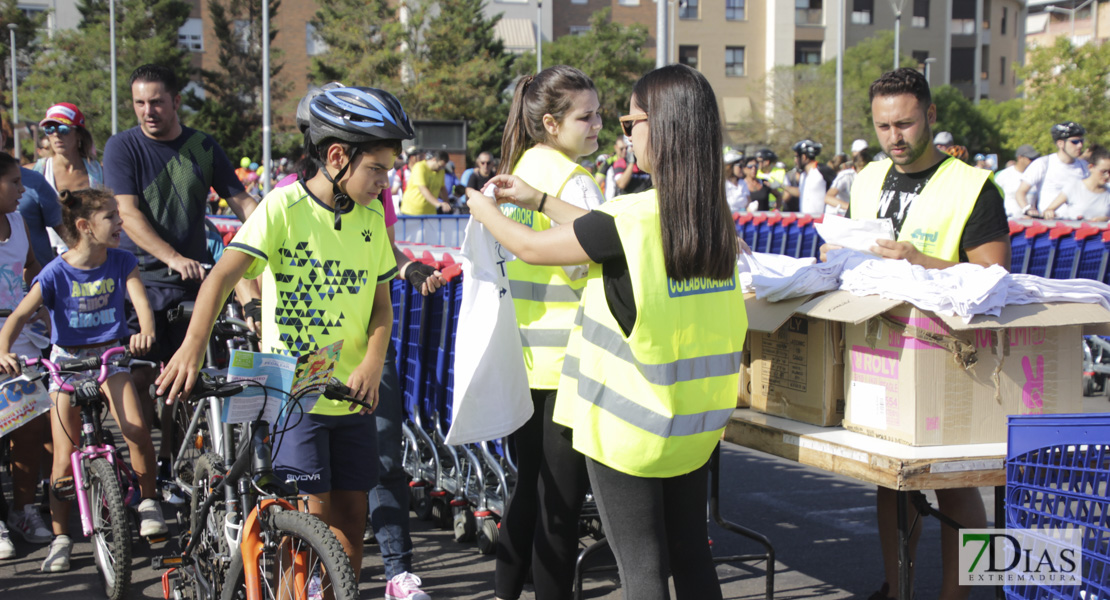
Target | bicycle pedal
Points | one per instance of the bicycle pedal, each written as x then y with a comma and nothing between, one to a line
157,539
165,562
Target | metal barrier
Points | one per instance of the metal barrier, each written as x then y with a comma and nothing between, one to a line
436,230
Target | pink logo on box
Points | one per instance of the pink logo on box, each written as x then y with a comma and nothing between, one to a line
1032,393
879,363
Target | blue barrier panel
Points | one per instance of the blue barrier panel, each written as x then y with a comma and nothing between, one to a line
437,230
790,234
775,235
747,229
1033,258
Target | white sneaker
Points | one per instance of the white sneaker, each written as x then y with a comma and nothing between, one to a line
151,521
57,557
28,523
7,548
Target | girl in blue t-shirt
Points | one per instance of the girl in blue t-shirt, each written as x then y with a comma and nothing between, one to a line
84,290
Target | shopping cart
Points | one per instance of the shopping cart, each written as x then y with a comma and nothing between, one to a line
1058,476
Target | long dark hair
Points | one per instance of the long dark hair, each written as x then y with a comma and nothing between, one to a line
699,237
546,93
79,204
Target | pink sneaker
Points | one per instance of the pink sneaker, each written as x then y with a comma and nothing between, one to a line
405,586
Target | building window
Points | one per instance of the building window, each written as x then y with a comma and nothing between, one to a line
688,55
807,53
963,18
920,18
808,12
313,44
1005,16
734,61
688,9
919,57
579,29
628,2
963,65
986,74
734,10
1002,70
190,36
863,12
578,1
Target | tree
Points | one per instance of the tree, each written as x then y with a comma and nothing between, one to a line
1062,82
612,55
74,68
231,110
27,37
442,62
967,124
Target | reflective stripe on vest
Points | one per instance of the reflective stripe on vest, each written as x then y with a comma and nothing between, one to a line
686,369
652,403
650,421
545,298
544,338
936,219
544,292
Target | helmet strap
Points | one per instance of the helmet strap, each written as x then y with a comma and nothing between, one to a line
343,202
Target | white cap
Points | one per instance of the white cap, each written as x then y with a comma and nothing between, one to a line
943,138
859,145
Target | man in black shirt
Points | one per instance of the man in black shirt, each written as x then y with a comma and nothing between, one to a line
957,205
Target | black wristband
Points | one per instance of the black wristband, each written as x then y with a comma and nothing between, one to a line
253,309
543,200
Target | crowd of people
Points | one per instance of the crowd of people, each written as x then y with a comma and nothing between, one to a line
1069,183
622,405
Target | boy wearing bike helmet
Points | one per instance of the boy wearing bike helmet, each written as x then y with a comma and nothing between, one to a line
1054,172
323,252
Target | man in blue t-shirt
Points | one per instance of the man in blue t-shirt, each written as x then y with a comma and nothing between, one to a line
40,209
160,173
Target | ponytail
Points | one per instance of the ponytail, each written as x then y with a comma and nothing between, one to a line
550,92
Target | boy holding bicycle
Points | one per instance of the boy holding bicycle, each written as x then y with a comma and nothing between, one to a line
322,249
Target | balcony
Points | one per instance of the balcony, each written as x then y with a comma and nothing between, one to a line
808,16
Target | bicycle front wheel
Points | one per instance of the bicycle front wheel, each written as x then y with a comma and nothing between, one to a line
303,559
111,538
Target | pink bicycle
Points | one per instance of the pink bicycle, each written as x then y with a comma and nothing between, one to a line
103,482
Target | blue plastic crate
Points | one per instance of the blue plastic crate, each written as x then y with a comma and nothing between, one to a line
1058,475
776,234
1018,245
413,364
1092,255
396,337
1041,244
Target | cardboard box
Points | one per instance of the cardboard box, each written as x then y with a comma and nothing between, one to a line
797,364
744,390
905,374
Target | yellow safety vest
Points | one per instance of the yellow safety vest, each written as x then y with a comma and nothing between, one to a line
545,298
778,175
938,216
654,403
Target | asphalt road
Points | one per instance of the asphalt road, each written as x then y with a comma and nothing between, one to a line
822,527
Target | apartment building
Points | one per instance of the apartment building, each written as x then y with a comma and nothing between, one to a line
1082,21
971,44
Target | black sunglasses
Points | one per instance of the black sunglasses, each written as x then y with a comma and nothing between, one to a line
59,129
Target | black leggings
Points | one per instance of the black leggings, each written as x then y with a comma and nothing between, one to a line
539,529
655,527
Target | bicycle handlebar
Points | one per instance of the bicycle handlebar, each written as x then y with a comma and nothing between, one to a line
102,362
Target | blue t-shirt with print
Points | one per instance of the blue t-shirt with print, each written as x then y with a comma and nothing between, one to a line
86,306
40,209
171,180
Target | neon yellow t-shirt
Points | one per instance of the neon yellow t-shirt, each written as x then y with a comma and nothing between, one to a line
413,202
318,283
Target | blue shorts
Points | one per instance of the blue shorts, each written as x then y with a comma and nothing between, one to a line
329,452
59,353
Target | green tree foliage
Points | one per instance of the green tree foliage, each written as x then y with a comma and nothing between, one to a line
75,64
612,55
231,110
1000,114
1062,82
443,62
27,43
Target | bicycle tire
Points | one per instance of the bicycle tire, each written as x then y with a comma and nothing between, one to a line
211,547
324,555
111,538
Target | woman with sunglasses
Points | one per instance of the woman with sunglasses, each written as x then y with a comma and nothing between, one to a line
649,380
553,122
760,194
74,165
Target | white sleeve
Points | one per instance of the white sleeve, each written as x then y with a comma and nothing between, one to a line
1034,173
582,191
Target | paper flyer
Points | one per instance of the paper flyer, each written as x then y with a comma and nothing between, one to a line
20,401
284,375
